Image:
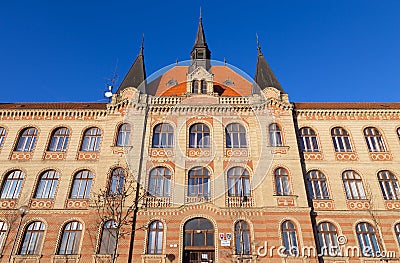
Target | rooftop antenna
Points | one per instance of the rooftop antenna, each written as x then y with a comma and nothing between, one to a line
110,83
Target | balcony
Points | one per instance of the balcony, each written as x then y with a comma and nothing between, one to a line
239,201
158,201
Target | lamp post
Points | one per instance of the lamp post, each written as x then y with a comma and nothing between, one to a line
23,210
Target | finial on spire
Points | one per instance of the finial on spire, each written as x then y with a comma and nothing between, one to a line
258,45
142,46
201,16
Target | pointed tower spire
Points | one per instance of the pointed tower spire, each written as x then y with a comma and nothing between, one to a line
200,55
137,73
264,76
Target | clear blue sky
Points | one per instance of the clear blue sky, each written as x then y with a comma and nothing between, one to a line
320,50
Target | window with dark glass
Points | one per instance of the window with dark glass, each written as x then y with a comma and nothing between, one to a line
12,184
353,185
369,246
3,234
328,239
33,238
316,183
108,238
117,181
396,231
282,182
289,237
389,185
199,232
204,87
242,238
398,133
91,140
235,136
47,184
155,238
124,134
160,182
70,239
199,136
81,185
163,136
341,140
2,135
27,140
308,140
198,182
195,86
275,135
374,140
238,182
59,140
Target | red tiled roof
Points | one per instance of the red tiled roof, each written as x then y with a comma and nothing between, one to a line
346,105
55,105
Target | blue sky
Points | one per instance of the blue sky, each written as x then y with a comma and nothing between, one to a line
342,50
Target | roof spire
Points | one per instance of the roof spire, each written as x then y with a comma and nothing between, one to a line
137,73
264,76
200,54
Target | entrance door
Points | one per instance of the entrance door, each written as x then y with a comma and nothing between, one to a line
198,241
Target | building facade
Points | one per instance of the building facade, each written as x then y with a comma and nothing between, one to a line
226,169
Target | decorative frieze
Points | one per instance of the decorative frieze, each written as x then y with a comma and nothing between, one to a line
21,156
346,156
65,258
285,201
151,258
198,152
54,156
198,199
88,156
120,149
77,203
313,156
380,156
158,202
8,203
323,204
237,152
25,258
358,204
41,203
392,204
279,149
161,152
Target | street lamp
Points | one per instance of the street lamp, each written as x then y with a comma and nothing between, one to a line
23,210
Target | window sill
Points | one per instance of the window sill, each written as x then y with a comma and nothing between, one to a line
278,149
121,149
26,258
65,258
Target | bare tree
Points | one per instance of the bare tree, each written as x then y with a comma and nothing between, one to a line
116,205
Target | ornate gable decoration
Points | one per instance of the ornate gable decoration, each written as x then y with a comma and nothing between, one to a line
200,74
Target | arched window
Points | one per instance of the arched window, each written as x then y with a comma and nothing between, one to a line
289,237
235,136
124,134
389,185
2,135
238,182
374,140
328,239
81,185
199,182
341,140
204,87
47,184
199,136
199,232
71,238
308,140
108,238
398,133
33,238
91,140
195,86
117,181
396,231
369,246
275,135
353,185
3,234
160,182
316,183
59,140
242,238
27,140
155,238
282,182
12,184
163,136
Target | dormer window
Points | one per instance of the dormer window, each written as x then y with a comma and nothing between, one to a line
199,87
200,54
195,86
204,87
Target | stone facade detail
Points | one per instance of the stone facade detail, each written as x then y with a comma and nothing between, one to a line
21,156
41,203
346,156
88,156
77,203
358,204
322,204
54,156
